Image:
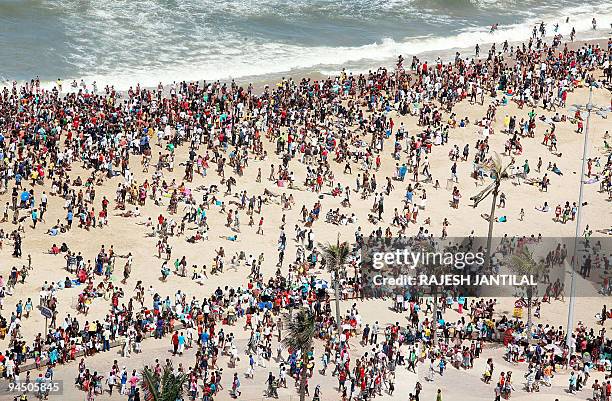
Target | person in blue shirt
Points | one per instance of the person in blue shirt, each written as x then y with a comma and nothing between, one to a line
159,329
204,338
25,197
19,310
69,217
34,217
18,180
39,386
124,378
409,194
181,343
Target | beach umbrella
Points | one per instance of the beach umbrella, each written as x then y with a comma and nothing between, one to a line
554,348
321,284
264,305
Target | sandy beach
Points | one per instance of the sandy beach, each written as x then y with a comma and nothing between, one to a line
135,238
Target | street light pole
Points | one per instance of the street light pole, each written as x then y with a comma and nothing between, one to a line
491,221
572,302
337,294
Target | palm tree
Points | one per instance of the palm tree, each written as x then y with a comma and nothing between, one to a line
336,257
168,387
524,263
300,331
498,173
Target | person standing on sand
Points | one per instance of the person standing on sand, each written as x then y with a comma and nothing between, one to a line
260,226
453,170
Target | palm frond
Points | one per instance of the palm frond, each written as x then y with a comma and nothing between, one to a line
434,265
172,385
336,256
496,163
168,387
300,330
504,171
150,385
483,194
524,262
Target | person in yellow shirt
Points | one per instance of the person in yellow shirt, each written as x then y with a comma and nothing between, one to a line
93,327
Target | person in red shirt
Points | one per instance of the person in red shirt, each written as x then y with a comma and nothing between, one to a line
175,343
260,226
341,379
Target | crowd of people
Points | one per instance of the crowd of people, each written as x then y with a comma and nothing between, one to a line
315,126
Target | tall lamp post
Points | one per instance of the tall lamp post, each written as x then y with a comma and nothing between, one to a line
588,108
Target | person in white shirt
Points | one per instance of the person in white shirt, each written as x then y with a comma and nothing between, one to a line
111,381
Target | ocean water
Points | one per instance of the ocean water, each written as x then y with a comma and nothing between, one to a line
150,41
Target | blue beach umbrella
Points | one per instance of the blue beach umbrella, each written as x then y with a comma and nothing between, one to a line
319,283
264,305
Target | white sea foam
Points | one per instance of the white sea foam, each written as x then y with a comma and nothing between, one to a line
235,57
